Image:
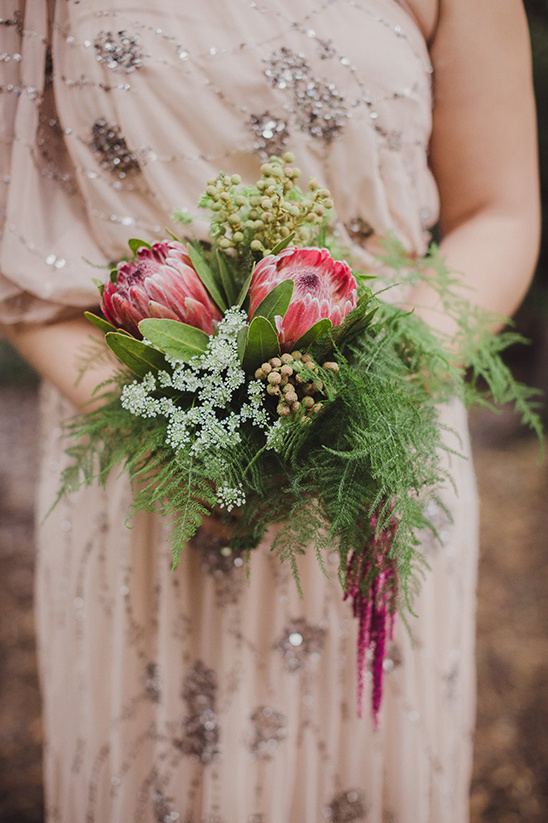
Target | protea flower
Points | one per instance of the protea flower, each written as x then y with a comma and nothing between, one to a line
323,288
161,282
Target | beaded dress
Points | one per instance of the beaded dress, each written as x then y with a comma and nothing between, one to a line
197,695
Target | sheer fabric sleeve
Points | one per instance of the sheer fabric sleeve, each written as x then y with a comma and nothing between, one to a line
44,237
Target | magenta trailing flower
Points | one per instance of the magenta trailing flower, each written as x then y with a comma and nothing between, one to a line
372,583
324,288
160,282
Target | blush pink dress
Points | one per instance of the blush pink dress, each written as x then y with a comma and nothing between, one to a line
196,695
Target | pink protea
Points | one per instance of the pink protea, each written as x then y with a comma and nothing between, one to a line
323,288
161,282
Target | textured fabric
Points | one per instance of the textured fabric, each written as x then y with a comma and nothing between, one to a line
198,695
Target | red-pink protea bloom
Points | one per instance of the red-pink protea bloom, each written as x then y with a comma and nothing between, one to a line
161,282
323,288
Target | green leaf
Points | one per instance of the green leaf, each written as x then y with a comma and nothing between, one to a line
241,342
276,302
319,329
355,323
100,285
114,275
367,295
173,236
209,278
135,244
245,288
262,344
181,215
322,237
102,324
174,338
229,284
137,356
283,244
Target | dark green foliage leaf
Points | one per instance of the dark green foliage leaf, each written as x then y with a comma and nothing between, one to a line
276,302
174,338
135,244
173,236
262,343
210,278
227,277
315,332
102,324
355,323
242,342
283,244
114,275
134,354
100,285
245,288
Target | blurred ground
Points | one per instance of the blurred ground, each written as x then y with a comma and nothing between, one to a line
511,768
20,732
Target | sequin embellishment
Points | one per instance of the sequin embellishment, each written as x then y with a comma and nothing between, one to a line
359,229
218,559
300,640
108,143
163,809
269,729
16,20
316,104
201,726
346,807
119,51
271,133
152,682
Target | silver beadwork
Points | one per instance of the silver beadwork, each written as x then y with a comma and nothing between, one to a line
201,726
347,807
119,51
299,641
359,229
316,104
269,729
271,133
114,154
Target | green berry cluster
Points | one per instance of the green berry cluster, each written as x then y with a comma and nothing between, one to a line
287,378
262,216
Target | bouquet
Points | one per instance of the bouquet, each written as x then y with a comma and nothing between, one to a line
263,380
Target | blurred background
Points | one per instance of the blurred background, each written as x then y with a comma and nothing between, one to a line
510,783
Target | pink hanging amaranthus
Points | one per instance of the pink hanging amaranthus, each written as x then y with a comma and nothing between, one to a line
372,583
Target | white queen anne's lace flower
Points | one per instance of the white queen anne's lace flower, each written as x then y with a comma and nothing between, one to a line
219,409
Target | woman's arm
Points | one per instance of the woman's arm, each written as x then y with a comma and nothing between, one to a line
483,151
55,351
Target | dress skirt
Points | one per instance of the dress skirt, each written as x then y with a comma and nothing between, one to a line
213,693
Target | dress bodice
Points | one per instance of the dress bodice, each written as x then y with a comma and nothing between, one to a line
120,113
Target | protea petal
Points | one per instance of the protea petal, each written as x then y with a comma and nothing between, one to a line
160,311
193,313
299,318
139,300
124,314
336,316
